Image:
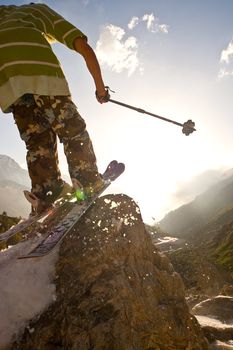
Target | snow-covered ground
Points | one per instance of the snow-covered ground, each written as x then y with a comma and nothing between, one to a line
26,288
167,244
163,240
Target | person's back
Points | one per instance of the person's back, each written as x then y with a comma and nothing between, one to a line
28,64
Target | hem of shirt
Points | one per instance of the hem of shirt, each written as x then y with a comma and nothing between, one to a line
17,86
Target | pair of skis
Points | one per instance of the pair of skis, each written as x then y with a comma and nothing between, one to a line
57,233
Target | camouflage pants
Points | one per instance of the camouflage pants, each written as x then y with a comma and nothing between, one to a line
40,119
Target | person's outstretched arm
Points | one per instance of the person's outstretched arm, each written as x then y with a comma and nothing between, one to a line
84,49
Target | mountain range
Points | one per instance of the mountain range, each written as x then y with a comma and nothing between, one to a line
11,171
209,210
13,180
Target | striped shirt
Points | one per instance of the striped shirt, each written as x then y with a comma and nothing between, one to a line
27,62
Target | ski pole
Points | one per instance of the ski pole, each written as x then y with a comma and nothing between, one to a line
187,127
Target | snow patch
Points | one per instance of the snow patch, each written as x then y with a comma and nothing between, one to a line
167,239
26,288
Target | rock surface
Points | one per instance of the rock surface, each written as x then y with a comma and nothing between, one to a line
114,290
220,307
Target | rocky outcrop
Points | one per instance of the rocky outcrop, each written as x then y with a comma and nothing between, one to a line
201,276
220,308
216,317
114,290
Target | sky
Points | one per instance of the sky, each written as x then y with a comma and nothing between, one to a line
173,58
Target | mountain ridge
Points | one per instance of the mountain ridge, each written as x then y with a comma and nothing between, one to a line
11,170
207,207
13,180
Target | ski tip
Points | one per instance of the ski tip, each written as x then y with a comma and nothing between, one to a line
113,163
122,165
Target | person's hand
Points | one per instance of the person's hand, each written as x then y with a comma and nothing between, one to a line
102,96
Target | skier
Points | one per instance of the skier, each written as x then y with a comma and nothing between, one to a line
33,87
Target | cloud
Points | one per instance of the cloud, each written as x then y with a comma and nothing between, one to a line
152,23
226,61
163,28
223,72
227,54
149,19
117,52
133,22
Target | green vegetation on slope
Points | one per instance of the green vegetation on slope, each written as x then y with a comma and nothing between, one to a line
224,247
